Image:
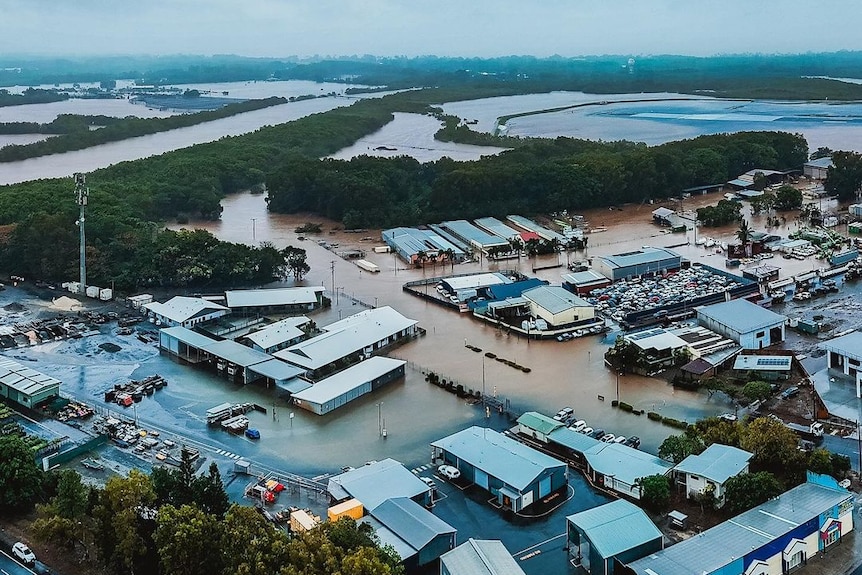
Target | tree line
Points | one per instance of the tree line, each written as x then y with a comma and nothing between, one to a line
30,96
175,522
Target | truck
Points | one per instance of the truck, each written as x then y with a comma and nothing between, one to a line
812,432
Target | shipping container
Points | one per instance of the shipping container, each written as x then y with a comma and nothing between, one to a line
106,294
93,291
350,508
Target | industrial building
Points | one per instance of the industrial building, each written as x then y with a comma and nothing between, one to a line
409,243
646,260
349,340
474,282
277,335
845,357
603,539
774,538
582,283
515,474
746,181
543,232
817,169
619,467
479,557
417,535
185,311
538,425
768,367
26,386
658,347
557,306
498,228
338,390
711,470
748,324
375,482
473,236
274,301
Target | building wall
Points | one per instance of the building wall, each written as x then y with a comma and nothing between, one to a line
569,316
615,274
696,483
26,400
437,547
761,338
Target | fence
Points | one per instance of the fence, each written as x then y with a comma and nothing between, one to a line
64,456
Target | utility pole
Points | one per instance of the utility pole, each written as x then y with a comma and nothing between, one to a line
859,445
332,270
253,238
81,196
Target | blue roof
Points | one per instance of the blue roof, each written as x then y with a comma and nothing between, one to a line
573,440
188,336
498,228
642,256
480,557
508,460
375,483
718,463
539,422
625,463
741,315
820,163
410,521
470,233
616,527
412,241
514,289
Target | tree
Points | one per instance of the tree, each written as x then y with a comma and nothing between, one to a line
20,478
209,493
677,447
821,152
840,465
772,443
820,461
250,545
186,539
756,390
714,430
742,492
71,499
655,491
743,233
844,177
706,497
788,198
295,260
759,182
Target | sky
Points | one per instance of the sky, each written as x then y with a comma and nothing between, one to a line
483,28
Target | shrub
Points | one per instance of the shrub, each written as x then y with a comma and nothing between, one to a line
654,416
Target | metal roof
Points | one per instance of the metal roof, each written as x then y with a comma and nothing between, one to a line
615,527
181,308
741,315
539,422
410,521
476,281
514,289
188,336
236,353
388,537
573,440
373,484
662,212
849,345
509,461
351,378
498,228
532,226
412,241
278,332
763,362
716,548
656,338
276,369
272,297
470,233
555,299
819,163
740,183
718,463
25,380
642,256
480,557
345,337
624,463
585,277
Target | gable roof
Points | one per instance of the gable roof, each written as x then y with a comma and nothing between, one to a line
718,463
555,299
740,315
272,296
625,463
410,521
615,527
539,422
278,332
480,557
373,484
181,308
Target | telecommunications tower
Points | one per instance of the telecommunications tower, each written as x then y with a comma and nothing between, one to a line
81,195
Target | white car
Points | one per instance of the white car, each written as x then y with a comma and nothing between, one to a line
429,482
564,413
620,439
845,483
587,430
23,554
578,425
608,438
449,472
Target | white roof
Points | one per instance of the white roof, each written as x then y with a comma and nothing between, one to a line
271,297
625,463
351,378
476,281
278,332
345,337
657,338
182,308
718,463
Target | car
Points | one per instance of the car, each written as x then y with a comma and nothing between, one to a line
449,472
597,433
252,433
789,392
23,554
608,438
169,443
633,441
620,439
587,430
564,413
429,482
728,417
844,483
578,425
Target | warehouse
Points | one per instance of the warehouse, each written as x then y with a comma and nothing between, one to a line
455,284
498,228
603,539
748,324
278,335
375,482
473,236
582,283
817,169
619,467
845,357
185,311
236,360
409,243
557,306
515,474
418,536
646,260
479,557
542,232
26,386
711,470
772,539
274,301
340,389
349,340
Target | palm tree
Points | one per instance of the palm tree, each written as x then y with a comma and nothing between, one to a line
744,235
450,255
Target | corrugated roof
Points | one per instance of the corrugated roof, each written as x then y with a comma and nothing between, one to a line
615,527
188,336
741,315
506,459
532,226
24,379
470,233
662,212
181,308
272,297
555,299
481,557
373,484
514,289
236,353
656,338
718,463
573,440
539,422
585,277
764,362
849,345
387,537
410,521
626,464
276,369
819,163
475,281
278,332
498,228
412,241
724,543
351,378
639,257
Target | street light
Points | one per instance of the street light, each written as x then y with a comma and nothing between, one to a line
618,387
253,237
379,418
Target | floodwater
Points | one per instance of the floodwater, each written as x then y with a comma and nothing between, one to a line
21,139
413,135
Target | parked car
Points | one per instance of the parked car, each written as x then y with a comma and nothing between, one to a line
597,433
587,430
449,472
564,413
429,482
23,554
608,438
578,425
790,392
620,439
252,433
633,441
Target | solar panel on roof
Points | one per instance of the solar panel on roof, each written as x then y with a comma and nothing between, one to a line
773,361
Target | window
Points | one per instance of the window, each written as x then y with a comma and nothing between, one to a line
760,334
795,560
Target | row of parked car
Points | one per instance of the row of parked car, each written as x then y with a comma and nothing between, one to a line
567,417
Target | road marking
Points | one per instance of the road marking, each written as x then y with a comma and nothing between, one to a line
539,544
